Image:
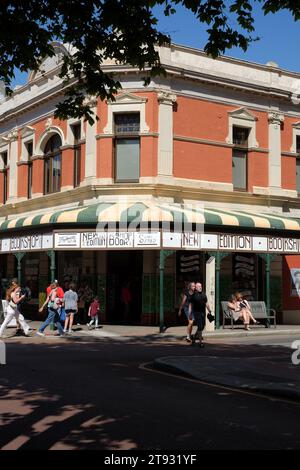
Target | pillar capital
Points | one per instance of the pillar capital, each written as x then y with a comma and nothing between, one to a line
275,117
166,97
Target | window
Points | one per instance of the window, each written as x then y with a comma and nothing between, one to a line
240,136
4,158
127,147
52,168
240,157
298,144
239,169
29,150
76,129
298,175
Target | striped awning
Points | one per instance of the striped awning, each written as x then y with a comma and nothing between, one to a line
141,213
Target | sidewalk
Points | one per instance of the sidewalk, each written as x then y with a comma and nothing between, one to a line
268,375
173,332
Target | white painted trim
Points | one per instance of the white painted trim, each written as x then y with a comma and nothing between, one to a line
296,132
45,136
242,117
70,136
126,103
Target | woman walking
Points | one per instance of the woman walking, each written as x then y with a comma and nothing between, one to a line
14,297
54,302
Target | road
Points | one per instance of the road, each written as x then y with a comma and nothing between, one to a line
98,394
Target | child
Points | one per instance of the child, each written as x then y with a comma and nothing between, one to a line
70,301
94,311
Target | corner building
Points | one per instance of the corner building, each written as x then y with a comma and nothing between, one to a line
208,155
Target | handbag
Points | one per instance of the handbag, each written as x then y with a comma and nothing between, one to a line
62,315
210,317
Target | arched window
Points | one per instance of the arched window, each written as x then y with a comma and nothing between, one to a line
52,168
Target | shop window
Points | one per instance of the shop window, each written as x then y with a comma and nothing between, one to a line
4,158
29,150
52,168
127,147
76,129
240,137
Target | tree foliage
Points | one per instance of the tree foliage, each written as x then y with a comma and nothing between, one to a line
122,30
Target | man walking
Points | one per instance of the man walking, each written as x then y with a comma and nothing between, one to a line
199,304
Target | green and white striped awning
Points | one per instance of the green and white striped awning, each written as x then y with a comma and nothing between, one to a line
146,212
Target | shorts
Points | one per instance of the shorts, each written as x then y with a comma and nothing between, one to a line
186,311
70,311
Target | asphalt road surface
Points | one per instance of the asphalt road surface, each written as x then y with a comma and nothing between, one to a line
100,394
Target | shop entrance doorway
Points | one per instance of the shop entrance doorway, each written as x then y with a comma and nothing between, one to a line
124,287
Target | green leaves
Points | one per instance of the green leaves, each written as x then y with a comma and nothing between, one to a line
123,32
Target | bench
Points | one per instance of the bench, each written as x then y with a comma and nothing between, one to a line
258,310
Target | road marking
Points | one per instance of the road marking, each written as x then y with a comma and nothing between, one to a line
223,387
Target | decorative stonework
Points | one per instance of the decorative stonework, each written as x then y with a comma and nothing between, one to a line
275,118
27,131
126,103
90,101
13,135
166,97
242,117
48,124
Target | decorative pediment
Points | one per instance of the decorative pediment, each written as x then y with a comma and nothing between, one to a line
128,98
4,141
50,63
27,131
243,113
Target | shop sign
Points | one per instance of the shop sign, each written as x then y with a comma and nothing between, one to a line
120,239
67,240
93,240
155,240
147,239
28,243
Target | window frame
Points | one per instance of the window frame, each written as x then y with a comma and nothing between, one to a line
119,136
49,158
5,176
77,154
242,148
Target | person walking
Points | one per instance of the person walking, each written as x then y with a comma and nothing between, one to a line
70,300
199,304
14,297
94,311
53,301
185,307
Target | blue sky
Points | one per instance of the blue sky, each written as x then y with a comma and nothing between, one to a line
280,38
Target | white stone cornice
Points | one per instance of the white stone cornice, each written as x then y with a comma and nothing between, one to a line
166,97
275,117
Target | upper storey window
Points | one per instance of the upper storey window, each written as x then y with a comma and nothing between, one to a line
127,147
52,168
4,164
240,137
